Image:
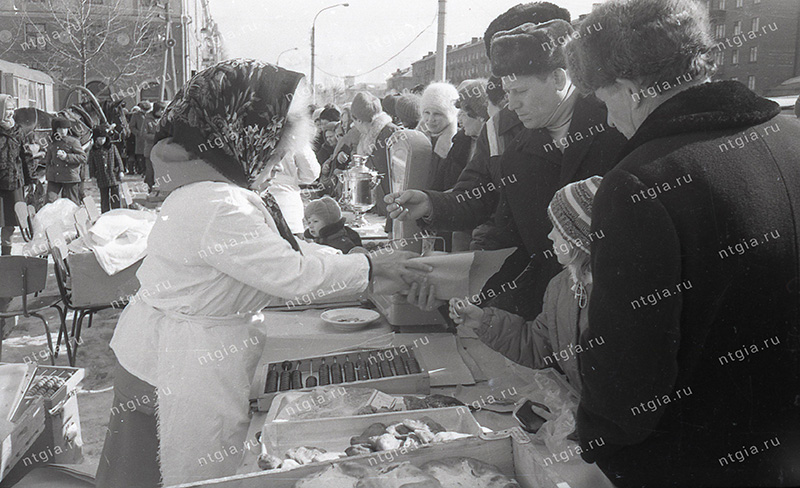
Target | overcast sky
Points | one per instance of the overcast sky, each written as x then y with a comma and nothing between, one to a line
356,39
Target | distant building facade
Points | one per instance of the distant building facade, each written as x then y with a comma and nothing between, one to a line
758,41
30,35
401,80
464,61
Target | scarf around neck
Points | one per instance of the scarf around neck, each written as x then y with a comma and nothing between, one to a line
558,125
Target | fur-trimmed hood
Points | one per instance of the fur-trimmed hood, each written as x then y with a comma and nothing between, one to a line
711,106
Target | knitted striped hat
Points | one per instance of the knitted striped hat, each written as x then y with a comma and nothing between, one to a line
570,210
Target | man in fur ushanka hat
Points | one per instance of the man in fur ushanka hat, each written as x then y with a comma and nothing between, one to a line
565,139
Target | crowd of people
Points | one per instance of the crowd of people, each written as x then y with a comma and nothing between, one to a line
548,156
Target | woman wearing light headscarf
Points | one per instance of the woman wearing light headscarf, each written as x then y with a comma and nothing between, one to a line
14,171
190,340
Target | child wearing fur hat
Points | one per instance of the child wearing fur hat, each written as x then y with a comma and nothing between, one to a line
105,165
552,338
326,225
64,159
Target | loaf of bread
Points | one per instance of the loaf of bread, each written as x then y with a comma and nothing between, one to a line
461,472
342,475
403,475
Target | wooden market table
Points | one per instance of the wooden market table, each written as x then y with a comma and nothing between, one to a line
475,373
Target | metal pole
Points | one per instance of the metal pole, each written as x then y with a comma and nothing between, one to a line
313,32
313,84
440,73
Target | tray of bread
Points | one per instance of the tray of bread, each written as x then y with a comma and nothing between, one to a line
390,450
390,370
377,438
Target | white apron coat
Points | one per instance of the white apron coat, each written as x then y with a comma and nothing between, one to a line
215,258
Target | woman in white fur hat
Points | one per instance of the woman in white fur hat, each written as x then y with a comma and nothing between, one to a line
439,118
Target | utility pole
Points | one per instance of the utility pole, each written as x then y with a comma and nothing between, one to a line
169,55
441,44
313,41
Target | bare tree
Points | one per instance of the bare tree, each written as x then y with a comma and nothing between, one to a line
108,39
332,91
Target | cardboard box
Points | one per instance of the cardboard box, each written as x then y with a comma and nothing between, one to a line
63,439
92,286
411,383
19,436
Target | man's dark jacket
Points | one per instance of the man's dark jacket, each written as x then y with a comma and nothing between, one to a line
696,296
534,169
482,177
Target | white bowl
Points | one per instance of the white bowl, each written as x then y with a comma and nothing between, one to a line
347,319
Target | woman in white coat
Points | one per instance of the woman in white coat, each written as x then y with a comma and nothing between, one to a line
189,341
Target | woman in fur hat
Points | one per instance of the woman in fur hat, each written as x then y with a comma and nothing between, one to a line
217,255
673,299
64,159
440,124
471,110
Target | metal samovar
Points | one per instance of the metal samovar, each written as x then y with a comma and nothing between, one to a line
359,185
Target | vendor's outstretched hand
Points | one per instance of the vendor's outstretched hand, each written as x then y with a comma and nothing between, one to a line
408,205
464,313
423,295
395,267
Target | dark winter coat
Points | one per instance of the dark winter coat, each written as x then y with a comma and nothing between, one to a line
67,170
147,133
697,298
15,169
378,160
105,164
336,235
136,124
444,172
533,170
483,176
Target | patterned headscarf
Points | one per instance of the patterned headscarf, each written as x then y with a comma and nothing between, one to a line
232,116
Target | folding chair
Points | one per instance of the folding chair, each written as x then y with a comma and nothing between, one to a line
82,221
21,276
58,249
91,209
25,215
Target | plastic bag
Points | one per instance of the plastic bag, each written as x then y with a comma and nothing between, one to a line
119,238
62,211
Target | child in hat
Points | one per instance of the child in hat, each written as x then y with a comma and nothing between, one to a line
326,225
64,159
105,165
552,339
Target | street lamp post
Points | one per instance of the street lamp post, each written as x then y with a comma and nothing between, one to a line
313,29
278,62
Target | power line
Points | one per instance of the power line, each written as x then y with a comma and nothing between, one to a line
392,57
